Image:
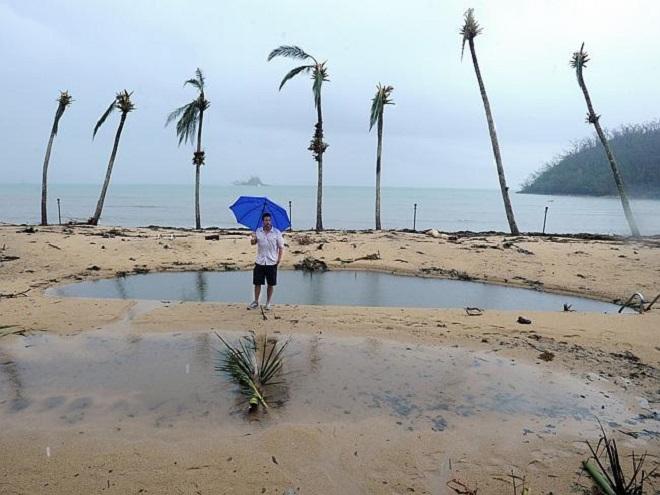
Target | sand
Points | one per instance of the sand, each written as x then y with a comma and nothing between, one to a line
367,456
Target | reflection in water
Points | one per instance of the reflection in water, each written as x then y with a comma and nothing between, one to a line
8,368
202,286
101,379
346,288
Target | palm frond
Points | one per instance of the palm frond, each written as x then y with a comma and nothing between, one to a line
104,117
289,52
378,103
253,375
470,29
198,81
294,72
175,114
319,75
124,102
187,124
579,60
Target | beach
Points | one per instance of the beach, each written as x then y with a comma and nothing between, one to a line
618,354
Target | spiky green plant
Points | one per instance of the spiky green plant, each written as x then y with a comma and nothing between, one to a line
469,31
123,104
63,102
191,120
578,62
319,74
254,364
613,480
378,103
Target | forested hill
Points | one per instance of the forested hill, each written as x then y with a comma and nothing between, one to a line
584,170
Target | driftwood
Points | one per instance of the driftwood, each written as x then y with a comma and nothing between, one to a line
460,487
14,294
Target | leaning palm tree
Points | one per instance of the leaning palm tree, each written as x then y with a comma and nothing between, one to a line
378,103
469,31
579,62
63,101
123,103
319,74
191,119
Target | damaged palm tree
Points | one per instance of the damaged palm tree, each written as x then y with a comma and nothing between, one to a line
124,104
469,31
191,120
319,74
579,62
62,103
254,364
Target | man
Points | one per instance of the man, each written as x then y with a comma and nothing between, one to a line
270,248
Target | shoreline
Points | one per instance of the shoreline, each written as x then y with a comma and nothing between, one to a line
617,354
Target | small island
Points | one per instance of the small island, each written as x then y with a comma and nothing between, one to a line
585,170
252,181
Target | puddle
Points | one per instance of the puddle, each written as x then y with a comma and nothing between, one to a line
102,379
346,288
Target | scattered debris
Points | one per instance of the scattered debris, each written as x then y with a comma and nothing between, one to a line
433,233
54,246
212,237
461,488
12,295
524,321
546,356
474,311
567,308
311,264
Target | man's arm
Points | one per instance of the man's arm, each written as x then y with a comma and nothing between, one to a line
280,249
253,238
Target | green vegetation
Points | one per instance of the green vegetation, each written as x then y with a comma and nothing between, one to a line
191,120
584,169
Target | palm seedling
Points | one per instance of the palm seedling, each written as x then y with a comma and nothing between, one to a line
613,481
122,103
579,62
319,74
62,103
191,120
254,364
378,103
469,32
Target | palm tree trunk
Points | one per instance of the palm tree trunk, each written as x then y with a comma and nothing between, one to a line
378,153
44,180
99,206
593,118
496,147
319,160
198,165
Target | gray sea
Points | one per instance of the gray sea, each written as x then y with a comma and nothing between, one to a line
344,207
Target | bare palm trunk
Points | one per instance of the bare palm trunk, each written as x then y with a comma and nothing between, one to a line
44,180
594,119
198,166
378,153
99,206
319,184
496,147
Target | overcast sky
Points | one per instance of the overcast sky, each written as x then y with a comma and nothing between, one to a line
435,135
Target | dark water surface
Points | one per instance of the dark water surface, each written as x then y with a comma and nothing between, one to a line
345,288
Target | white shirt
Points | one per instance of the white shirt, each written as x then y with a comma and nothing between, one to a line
268,245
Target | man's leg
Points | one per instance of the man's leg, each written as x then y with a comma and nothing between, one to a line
257,292
269,294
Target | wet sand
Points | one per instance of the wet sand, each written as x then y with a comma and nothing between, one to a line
616,355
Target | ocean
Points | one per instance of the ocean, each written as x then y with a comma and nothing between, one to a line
344,207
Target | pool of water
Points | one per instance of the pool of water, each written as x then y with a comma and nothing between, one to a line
346,288
168,380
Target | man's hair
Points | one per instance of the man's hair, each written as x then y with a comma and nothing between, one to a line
266,215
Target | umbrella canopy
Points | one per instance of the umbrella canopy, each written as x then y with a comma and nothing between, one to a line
249,209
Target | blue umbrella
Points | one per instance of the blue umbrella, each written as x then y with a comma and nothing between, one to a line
249,209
